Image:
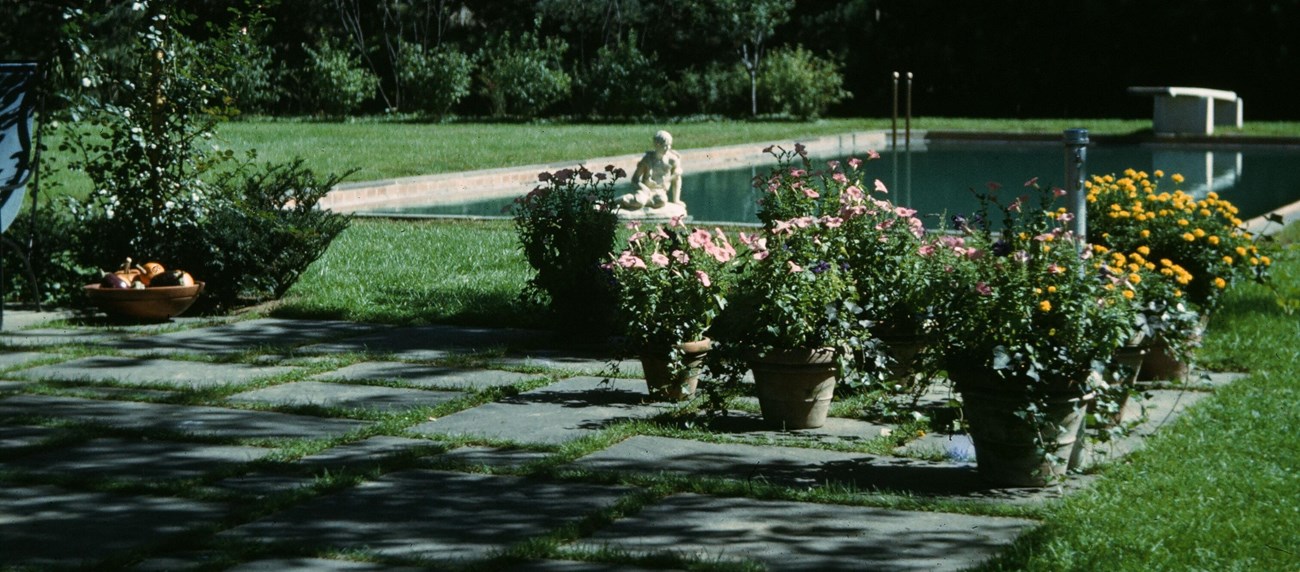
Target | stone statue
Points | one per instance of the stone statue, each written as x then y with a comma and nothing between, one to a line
657,183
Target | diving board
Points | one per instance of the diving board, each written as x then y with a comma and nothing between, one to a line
1192,110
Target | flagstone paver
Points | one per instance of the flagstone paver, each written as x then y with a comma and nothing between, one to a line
212,421
573,566
239,337
40,337
490,457
432,514
46,526
111,457
562,411
432,342
814,537
10,359
791,466
368,452
432,376
18,436
316,565
144,371
345,396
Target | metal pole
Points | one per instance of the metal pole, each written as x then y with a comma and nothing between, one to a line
907,141
1076,160
893,123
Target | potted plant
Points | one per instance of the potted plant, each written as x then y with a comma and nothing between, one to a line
1027,321
794,320
1200,244
672,283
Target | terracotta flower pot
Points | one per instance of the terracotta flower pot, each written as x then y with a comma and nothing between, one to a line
666,385
1005,449
157,304
795,386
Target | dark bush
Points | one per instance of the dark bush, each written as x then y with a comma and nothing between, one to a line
624,82
434,80
797,83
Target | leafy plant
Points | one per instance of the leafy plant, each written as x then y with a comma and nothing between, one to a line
672,283
522,77
265,233
798,83
566,227
1204,236
623,81
333,81
435,80
1028,304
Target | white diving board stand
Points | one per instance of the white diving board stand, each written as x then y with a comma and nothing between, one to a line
1192,110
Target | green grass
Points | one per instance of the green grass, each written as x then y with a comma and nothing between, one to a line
381,149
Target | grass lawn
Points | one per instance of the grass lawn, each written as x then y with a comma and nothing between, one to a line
384,149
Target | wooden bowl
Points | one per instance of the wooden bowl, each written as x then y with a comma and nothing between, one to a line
156,304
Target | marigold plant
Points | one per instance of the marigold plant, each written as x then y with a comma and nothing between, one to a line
1131,214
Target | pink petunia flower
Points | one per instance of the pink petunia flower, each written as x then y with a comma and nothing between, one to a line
703,278
872,154
681,257
880,187
659,259
855,162
983,289
699,238
1031,182
794,267
629,260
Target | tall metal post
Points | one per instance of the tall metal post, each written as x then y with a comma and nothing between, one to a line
1076,160
893,123
907,140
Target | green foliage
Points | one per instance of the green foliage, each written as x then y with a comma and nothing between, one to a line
434,80
523,77
797,82
715,89
1027,303
263,234
333,81
623,81
566,228
672,283
246,64
161,189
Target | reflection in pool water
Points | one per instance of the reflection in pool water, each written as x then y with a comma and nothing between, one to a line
940,178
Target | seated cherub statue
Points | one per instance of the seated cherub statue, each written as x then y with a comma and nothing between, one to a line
657,179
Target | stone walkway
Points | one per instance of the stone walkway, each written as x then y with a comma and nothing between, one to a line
271,444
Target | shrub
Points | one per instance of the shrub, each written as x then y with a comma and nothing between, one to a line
522,78
622,81
716,89
566,228
333,81
798,83
434,80
265,233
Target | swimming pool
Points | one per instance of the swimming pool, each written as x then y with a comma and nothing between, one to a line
940,177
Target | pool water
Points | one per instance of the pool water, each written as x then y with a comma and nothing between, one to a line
939,179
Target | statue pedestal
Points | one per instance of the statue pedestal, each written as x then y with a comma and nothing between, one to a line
666,212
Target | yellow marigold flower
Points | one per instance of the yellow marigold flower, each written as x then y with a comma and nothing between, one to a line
1047,248
1167,271
1199,233
1045,306
1051,289
1241,250
1145,233
1134,266
1189,237
1266,260
1166,262
1128,294
1183,222
1150,266
1212,195
1220,283
1144,250
1205,212
1135,278
1099,249
1177,178
1254,261
1227,260
1038,290
1213,240
1178,293
1160,174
